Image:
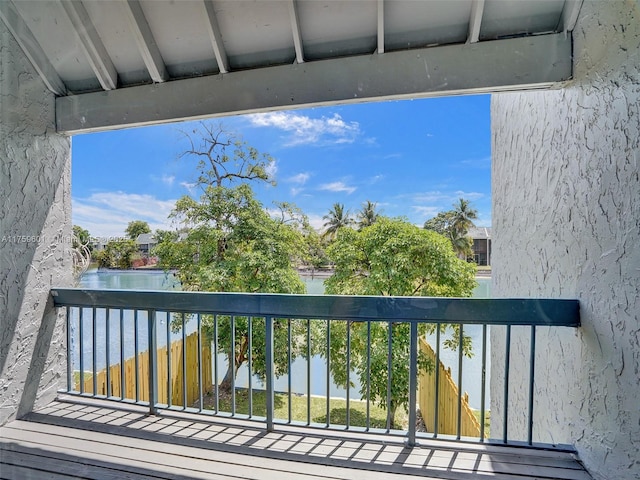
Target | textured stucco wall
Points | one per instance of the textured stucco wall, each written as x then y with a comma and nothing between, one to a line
566,218
34,222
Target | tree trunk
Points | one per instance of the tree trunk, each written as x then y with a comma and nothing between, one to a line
225,385
392,408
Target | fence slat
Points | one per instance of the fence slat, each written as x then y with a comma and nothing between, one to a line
193,392
448,400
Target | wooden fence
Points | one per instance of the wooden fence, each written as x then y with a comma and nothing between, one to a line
447,401
176,384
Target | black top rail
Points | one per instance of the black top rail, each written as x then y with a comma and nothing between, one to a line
479,311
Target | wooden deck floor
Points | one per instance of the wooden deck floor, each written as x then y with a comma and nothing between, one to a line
73,439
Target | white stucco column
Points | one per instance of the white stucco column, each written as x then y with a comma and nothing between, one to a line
566,218
35,227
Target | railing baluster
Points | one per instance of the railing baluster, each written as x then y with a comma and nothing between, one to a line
250,364
289,367
69,357
348,367
136,346
436,412
505,419
308,371
368,425
169,369
107,353
459,420
153,364
233,364
389,368
81,331
532,371
184,363
200,386
122,370
484,382
94,356
413,382
215,363
269,370
328,372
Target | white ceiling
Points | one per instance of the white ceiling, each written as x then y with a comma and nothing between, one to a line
83,47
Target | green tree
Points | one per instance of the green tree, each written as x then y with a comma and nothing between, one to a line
117,254
316,250
367,215
81,238
391,257
454,224
464,215
336,219
137,227
224,158
232,244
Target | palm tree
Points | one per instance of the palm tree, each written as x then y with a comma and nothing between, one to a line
463,216
368,215
337,218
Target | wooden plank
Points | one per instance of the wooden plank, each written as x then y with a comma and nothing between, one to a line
437,459
164,456
22,472
93,465
53,465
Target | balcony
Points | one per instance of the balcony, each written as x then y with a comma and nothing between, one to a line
134,406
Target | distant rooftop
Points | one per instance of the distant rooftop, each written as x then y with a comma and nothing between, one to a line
480,232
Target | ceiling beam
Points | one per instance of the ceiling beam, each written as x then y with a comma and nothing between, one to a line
146,42
216,37
31,48
92,44
569,16
484,67
380,26
475,20
295,27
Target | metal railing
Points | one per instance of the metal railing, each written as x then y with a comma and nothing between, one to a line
305,338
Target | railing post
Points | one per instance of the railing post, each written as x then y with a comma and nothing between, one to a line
413,382
153,363
69,359
269,370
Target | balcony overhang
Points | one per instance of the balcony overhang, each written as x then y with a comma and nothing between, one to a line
501,65
140,62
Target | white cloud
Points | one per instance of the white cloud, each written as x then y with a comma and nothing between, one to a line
424,211
189,186
316,221
304,130
108,213
271,170
480,163
337,187
467,195
445,197
299,179
168,179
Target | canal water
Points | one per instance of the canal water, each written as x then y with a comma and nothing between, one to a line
158,280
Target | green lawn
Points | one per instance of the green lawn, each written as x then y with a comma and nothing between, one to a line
487,420
337,409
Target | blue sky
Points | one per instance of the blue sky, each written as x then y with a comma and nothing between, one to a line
414,158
